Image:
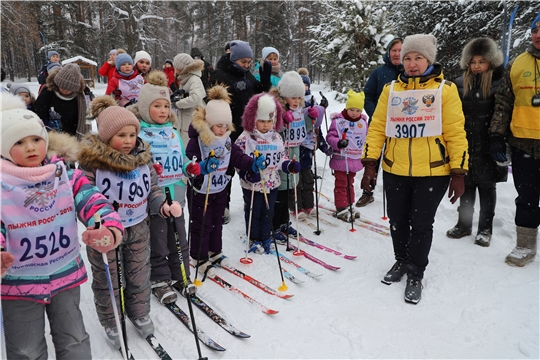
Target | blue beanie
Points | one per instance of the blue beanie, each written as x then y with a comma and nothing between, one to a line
269,50
306,80
240,50
122,59
51,53
536,22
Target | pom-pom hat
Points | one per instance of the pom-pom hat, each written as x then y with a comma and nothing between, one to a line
218,109
18,123
291,85
111,118
154,89
425,44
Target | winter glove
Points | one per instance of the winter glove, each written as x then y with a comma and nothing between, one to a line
313,113
265,72
288,117
158,168
252,177
291,167
193,169
369,180
101,239
324,101
329,151
342,144
497,148
209,165
174,209
457,187
6,261
258,164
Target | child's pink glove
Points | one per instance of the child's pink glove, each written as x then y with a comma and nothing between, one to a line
101,239
174,209
6,261
288,117
313,113
193,169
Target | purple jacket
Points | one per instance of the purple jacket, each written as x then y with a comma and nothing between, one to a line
337,162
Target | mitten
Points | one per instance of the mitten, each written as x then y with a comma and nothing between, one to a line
117,93
369,180
6,261
265,72
329,151
193,169
497,148
457,187
209,165
252,177
158,168
288,117
101,239
313,113
291,167
174,209
342,144
258,164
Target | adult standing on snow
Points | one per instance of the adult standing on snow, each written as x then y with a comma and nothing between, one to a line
420,122
374,86
517,118
482,65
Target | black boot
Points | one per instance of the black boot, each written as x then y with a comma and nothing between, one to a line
464,224
488,198
395,273
413,291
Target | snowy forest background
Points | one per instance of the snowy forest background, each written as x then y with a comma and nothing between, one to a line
338,41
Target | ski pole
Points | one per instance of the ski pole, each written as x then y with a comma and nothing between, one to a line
247,260
171,221
97,220
288,189
197,282
283,287
120,275
318,231
190,203
325,102
296,252
344,137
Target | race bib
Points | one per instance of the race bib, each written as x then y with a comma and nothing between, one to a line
356,134
296,131
268,145
222,151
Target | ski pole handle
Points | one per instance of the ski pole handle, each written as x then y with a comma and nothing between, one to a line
97,220
168,196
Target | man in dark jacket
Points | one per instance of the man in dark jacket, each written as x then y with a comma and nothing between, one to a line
208,68
380,76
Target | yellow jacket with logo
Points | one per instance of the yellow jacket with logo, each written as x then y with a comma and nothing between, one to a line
425,156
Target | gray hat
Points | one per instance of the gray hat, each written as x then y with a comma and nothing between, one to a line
425,44
291,85
17,88
181,61
51,53
240,50
69,78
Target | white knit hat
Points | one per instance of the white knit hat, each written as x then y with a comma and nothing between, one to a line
425,44
142,55
266,108
17,123
291,85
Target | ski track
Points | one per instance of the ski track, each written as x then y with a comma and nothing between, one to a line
473,305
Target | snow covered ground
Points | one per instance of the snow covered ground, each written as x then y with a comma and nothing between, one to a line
473,304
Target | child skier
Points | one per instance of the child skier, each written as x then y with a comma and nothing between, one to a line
209,133
346,136
120,165
167,149
126,81
41,199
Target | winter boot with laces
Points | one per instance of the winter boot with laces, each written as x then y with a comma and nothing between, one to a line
413,291
483,238
464,224
280,237
179,285
144,325
292,231
459,231
364,200
485,226
395,273
113,337
218,259
206,268
163,291
525,250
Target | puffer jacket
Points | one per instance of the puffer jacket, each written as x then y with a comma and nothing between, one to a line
478,112
87,201
424,156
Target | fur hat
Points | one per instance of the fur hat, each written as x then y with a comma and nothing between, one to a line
240,50
291,85
110,117
536,22
304,74
18,88
154,89
425,44
17,123
121,59
142,55
51,53
269,50
262,107
485,47
69,78
355,100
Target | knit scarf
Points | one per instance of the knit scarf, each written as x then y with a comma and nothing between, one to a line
82,127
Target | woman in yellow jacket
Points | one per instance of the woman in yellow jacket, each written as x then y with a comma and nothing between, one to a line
419,121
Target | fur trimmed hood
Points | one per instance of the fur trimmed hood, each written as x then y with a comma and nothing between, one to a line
63,146
250,113
485,47
95,154
197,66
53,87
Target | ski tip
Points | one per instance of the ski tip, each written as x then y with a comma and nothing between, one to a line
350,257
271,312
287,296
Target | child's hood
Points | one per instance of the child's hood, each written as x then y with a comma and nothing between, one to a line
196,67
249,117
62,145
95,154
